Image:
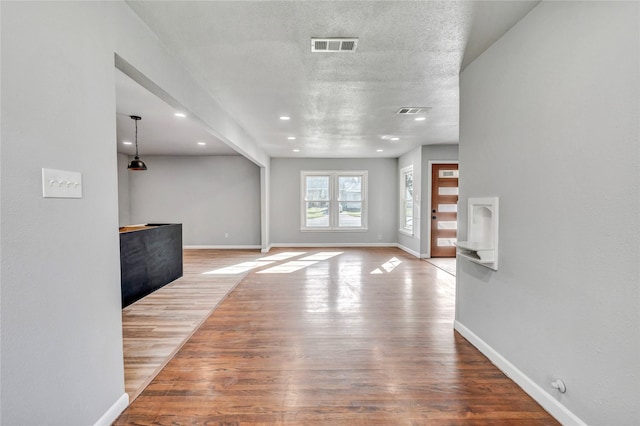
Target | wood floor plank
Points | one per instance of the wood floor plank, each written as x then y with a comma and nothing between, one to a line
155,327
362,337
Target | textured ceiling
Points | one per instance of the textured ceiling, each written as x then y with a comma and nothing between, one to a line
255,58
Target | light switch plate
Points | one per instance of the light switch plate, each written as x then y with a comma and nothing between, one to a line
61,184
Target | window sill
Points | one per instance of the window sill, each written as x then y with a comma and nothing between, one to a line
406,232
334,229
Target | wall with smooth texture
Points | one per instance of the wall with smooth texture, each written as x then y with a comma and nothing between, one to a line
286,203
124,209
61,312
61,341
549,123
210,195
411,242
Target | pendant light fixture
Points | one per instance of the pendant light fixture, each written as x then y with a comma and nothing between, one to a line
136,163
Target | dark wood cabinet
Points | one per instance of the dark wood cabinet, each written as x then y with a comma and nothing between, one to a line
150,258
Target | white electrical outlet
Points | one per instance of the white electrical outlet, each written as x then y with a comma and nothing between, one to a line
61,184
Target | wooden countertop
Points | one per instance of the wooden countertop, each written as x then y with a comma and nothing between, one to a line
135,228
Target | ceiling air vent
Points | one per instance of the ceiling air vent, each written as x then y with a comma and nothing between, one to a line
334,44
413,110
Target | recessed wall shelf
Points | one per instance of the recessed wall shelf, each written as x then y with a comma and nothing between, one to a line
482,233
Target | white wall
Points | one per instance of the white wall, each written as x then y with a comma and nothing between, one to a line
549,123
411,243
210,196
435,154
285,201
61,310
146,61
61,342
124,209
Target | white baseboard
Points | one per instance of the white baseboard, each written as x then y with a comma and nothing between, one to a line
334,245
223,247
408,250
296,245
114,411
554,407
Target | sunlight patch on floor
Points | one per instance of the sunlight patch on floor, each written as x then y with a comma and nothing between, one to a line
289,267
324,255
388,266
239,268
283,256
285,268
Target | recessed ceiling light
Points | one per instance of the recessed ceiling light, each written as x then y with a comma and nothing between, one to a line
420,118
127,143
202,143
284,117
379,150
180,114
296,150
395,139
292,138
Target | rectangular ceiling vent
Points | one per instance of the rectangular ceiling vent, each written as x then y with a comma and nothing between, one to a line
334,44
413,110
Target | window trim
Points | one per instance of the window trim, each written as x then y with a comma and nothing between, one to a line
402,216
334,202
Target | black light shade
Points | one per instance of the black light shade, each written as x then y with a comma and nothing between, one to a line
137,164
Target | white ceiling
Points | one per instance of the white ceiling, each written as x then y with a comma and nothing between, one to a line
160,132
255,58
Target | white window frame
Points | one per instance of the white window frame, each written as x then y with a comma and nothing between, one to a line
407,230
334,201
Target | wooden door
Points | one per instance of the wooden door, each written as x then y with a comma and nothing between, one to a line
444,209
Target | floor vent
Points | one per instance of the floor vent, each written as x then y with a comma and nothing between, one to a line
334,44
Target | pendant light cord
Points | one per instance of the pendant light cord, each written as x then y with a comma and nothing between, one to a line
136,138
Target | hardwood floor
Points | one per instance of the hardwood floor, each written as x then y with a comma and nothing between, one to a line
362,337
155,327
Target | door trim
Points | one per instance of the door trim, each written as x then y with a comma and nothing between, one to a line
427,254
